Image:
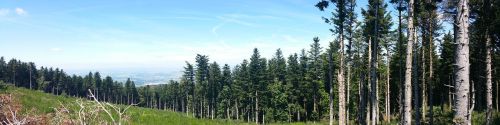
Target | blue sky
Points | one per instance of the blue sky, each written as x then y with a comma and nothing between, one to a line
83,35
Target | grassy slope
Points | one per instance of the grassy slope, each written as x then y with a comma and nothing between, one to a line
39,103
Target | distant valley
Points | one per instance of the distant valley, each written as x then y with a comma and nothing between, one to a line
140,78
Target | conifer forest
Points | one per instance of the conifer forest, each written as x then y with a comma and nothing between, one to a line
436,62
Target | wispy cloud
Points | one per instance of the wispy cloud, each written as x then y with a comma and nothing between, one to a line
21,11
235,19
18,11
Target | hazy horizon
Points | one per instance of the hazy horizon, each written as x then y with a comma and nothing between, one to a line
153,35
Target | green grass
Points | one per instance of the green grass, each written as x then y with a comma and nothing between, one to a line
40,103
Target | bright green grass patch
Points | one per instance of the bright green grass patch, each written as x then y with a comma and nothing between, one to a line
40,103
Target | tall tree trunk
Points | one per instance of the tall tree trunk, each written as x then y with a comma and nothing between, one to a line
407,85
415,87
400,44
387,89
256,108
462,68
431,75
187,105
489,91
462,65
424,85
362,100
330,70
237,110
369,114
348,92
340,78
373,67
349,56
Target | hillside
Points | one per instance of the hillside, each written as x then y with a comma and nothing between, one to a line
40,107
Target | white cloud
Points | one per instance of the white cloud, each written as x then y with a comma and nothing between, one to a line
55,49
21,11
4,12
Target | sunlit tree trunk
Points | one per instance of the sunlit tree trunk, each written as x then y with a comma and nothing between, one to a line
387,89
373,68
406,120
340,78
462,65
431,75
369,114
489,93
424,85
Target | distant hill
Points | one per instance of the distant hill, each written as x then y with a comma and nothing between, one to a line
140,78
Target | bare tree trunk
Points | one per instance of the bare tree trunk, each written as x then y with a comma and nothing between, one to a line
415,88
400,44
387,89
256,108
237,110
373,68
362,100
298,115
340,78
489,95
348,92
330,69
431,75
424,86
407,85
462,65
349,58
369,114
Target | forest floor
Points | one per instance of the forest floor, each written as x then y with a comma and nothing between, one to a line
36,107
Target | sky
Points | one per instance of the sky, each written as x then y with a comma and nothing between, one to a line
155,35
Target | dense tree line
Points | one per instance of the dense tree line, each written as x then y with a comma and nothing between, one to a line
374,70
379,72
58,82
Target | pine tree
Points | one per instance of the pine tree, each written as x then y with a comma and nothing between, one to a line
294,87
214,86
189,79
201,74
313,75
340,21
257,68
400,6
97,85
